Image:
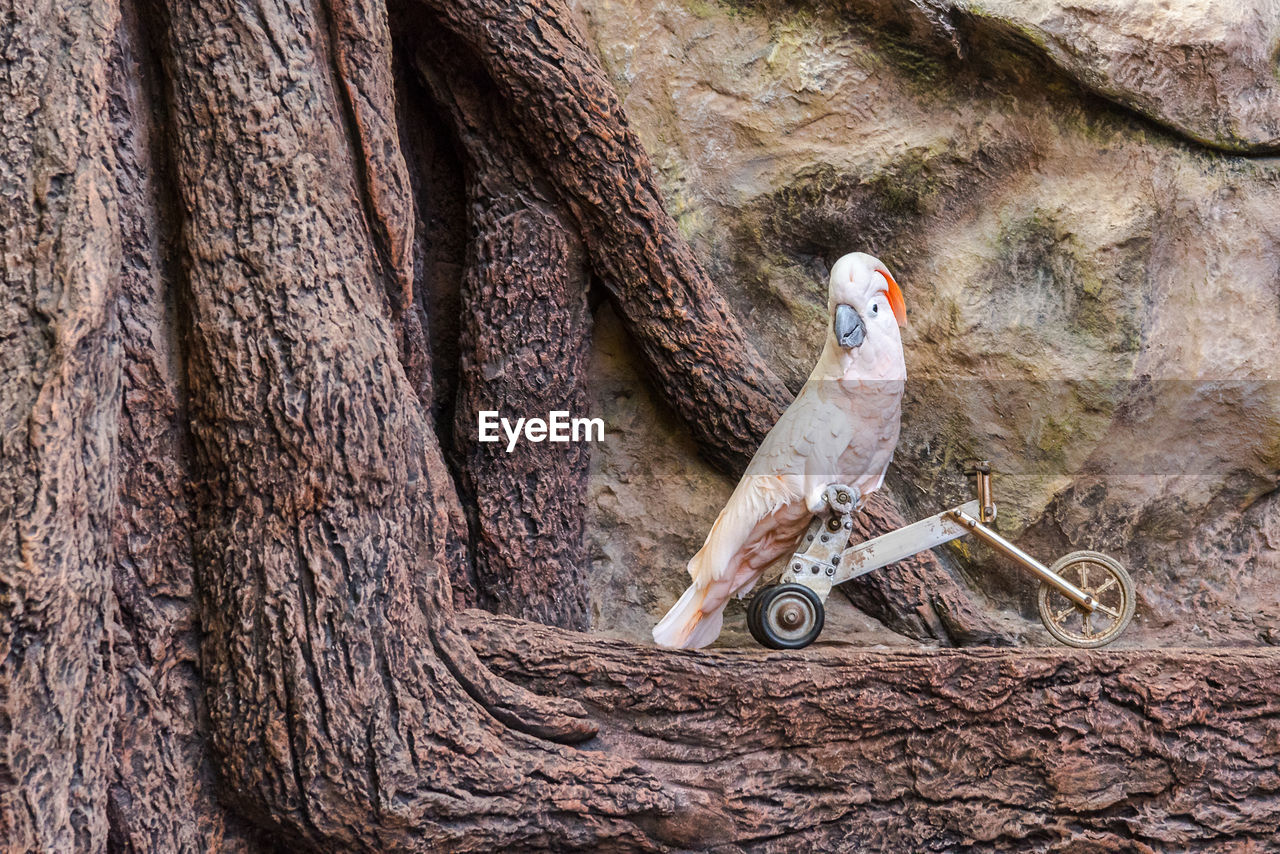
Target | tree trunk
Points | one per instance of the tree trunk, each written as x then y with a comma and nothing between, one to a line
60,403
524,339
337,685
227,605
162,795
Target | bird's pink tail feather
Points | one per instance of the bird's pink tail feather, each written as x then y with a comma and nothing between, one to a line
686,625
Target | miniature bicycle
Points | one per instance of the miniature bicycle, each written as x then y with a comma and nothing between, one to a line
1086,599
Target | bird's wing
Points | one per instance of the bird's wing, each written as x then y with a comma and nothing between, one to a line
809,437
811,433
754,499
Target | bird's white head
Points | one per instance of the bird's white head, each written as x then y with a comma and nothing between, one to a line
864,303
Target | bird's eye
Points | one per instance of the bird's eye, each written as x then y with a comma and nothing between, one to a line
875,309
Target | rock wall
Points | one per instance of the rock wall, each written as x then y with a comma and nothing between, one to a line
1090,256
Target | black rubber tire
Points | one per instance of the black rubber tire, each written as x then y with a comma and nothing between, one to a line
753,613
766,609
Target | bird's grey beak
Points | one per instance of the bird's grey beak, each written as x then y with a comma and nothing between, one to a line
850,330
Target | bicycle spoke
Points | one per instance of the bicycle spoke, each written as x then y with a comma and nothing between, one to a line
1110,612
1063,614
1084,576
1084,619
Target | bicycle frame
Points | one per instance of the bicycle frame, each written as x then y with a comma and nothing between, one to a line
822,565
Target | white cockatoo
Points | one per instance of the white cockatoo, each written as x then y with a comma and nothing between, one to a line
841,428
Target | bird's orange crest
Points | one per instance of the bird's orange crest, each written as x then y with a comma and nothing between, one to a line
896,302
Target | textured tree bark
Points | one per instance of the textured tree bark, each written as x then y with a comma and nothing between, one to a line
59,403
523,341
566,110
837,750
358,42
162,795
264,480
365,93
439,245
346,713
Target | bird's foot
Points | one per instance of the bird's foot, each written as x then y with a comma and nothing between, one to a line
816,500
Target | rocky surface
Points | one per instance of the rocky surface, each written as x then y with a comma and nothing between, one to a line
1094,301
1206,70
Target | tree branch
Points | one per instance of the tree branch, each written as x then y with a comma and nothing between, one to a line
524,338
566,109
835,749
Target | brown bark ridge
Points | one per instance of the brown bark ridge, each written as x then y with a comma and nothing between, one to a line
357,37
837,750
162,795
567,111
440,240
524,335
365,87
59,402
358,34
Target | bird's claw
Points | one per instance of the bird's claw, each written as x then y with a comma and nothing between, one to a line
816,500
